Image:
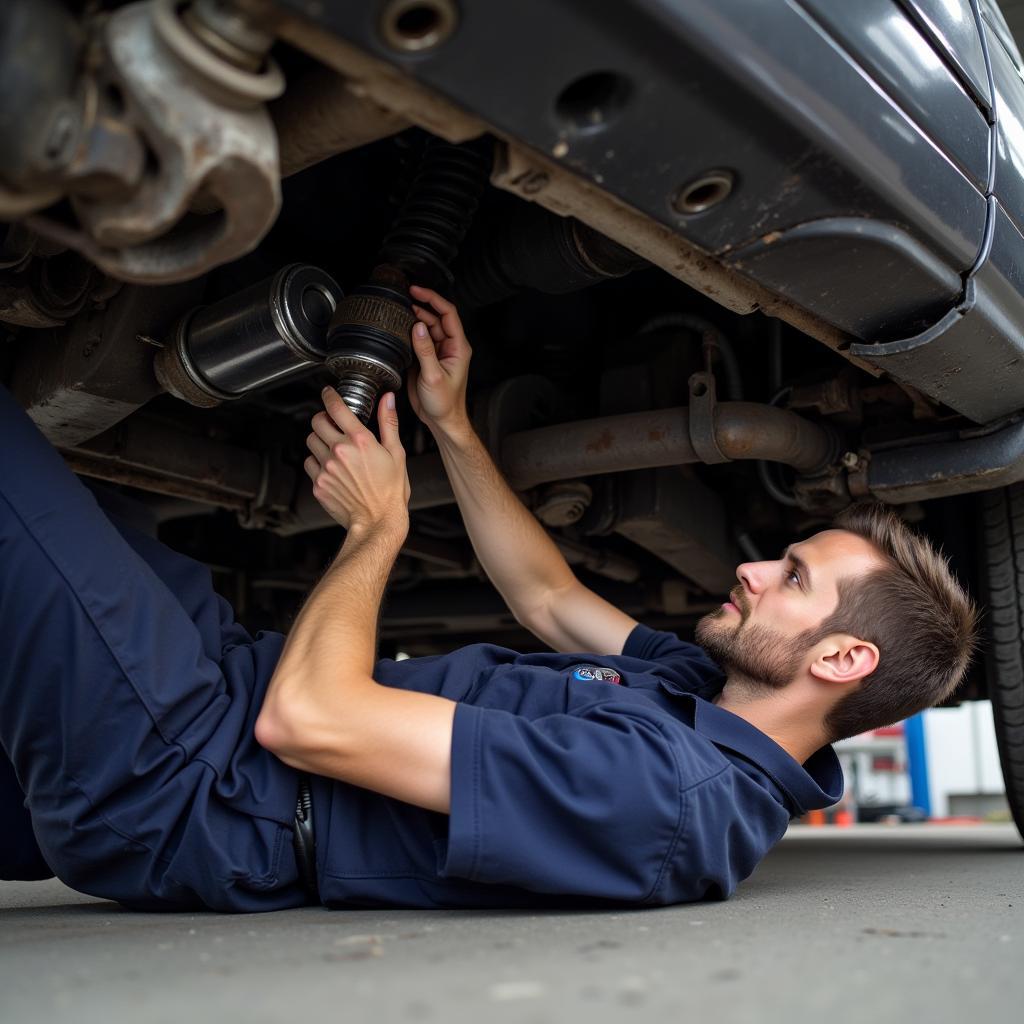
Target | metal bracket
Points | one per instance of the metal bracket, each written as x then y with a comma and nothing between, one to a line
254,515
702,418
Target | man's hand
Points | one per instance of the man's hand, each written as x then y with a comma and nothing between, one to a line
437,388
361,484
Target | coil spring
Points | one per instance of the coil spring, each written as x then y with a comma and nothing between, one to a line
437,212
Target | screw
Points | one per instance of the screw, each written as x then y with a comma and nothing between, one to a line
532,182
851,460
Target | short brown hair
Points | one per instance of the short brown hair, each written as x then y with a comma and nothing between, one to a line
913,610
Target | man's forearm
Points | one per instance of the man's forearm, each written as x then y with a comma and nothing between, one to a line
516,552
331,648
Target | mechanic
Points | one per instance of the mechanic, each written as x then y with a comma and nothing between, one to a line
155,750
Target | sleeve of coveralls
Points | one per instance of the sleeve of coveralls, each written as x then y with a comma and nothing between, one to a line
566,804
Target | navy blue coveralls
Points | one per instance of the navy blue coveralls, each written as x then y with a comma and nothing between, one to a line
129,769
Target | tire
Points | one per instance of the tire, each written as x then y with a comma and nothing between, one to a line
1002,584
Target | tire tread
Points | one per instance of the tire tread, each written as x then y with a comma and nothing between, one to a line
1002,520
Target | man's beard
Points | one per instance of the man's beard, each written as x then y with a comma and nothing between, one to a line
757,656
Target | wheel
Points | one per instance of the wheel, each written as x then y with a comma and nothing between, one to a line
1002,584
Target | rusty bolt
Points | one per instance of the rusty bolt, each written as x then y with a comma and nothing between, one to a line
564,503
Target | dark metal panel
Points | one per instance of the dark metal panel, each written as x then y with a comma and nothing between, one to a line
1009,175
920,472
783,54
900,286
973,360
952,25
757,88
899,57
997,23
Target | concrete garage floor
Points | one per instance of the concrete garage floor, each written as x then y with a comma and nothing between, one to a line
866,924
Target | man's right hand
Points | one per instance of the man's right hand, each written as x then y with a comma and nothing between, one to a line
437,387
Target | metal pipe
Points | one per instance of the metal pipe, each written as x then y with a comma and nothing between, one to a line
661,437
610,444
149,454
155,456
614,444
920,472
747,430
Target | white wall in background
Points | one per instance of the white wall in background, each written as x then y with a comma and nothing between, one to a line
962,753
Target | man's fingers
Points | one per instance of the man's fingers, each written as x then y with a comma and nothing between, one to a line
312,468
428,316
321,451
423,346
325,429
450,321
387,418
432,322
439,303
342,415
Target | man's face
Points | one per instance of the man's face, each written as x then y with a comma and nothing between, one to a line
759,634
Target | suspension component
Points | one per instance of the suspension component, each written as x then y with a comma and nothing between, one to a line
536,249
369,340
144,118
369,334
426,234
262,335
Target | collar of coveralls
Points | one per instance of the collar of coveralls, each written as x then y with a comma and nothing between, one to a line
816,783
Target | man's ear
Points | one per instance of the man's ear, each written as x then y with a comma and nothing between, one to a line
844,659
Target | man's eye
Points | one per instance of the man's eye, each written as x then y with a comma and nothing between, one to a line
794,575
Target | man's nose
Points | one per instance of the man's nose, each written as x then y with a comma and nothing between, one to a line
753,575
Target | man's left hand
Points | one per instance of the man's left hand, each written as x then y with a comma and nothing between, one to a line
361,483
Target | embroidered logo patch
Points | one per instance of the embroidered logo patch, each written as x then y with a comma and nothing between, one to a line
596,673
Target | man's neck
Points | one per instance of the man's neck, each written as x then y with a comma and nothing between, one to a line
796,731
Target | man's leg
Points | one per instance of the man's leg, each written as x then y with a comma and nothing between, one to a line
187,579
109,704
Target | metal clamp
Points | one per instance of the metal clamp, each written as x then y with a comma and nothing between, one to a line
702,418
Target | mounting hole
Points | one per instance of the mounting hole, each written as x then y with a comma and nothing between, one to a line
704,192
592,102
698,389
412,26
317,305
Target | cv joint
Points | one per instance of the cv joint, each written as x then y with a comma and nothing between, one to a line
369,340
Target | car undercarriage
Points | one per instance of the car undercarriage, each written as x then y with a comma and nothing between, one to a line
702,322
